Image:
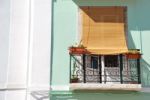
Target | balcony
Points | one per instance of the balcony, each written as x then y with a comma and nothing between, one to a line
104,72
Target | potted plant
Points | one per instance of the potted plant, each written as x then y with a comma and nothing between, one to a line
74,79
133,54
133,82
80,49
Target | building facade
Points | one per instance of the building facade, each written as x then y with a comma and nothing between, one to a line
68,24
35,59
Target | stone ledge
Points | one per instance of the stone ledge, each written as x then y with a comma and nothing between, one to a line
96,86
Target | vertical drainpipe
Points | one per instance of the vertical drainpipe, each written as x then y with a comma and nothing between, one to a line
141,42
139,60
51,42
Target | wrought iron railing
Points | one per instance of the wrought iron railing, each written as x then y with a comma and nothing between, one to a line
125,71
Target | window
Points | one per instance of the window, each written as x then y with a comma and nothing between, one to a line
94,62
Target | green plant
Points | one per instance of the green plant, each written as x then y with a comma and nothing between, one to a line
77,45
134,51
81,46
74,77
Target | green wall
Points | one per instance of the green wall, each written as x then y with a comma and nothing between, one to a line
65,29
143,28
64,32
101,96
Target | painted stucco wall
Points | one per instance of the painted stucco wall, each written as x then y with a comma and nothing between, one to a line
143,29
65,30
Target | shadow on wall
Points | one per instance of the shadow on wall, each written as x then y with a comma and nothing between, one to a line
92,13
131,44
145,68
40,95
102,2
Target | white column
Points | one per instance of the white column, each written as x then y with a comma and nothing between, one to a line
4,44
18,43
28,71
40,49
18,50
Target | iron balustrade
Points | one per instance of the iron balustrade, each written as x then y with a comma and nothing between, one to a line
88,69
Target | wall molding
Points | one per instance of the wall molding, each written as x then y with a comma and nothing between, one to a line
59,88
4,87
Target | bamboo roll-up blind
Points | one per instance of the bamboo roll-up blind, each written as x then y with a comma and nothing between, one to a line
103,30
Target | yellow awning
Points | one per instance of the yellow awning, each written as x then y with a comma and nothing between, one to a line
103,30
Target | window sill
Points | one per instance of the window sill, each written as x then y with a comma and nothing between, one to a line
96,86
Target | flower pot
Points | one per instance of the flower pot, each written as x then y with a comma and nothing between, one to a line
133,56
74,80
77,50
133,82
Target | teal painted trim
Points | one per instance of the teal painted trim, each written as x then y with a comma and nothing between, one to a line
60,92
143,91
100,96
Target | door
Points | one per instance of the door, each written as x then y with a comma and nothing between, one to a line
93,69
111,69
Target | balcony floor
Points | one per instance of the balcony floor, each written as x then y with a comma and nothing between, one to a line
96,86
